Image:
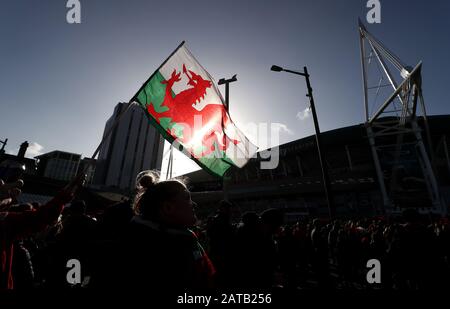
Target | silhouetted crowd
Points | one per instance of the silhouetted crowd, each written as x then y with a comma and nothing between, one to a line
261,251
153,240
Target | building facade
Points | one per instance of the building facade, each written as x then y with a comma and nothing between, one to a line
132,146
59,165
296,187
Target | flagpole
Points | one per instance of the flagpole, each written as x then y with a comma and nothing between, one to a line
170,163
171,160
156,71
227,109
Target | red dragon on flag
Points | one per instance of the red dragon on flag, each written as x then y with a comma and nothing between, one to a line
181,111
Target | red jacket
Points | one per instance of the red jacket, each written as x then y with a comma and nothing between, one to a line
16,225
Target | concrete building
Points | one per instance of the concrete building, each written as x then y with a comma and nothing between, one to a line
59,165
134,145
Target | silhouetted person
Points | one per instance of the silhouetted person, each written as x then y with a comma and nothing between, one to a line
14,226
249,249
159,250
22,268
222,243
113,224
77,225
289,251
319,242
257,249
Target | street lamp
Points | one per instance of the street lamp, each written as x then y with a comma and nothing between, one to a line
227,82
325,176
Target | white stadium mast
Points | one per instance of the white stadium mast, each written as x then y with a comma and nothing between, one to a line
400,105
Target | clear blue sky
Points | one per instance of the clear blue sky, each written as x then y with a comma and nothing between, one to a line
59,82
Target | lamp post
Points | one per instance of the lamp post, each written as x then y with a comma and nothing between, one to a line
325,176
227,82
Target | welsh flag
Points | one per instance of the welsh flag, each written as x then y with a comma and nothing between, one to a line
183,103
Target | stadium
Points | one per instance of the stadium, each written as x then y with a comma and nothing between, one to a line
295,186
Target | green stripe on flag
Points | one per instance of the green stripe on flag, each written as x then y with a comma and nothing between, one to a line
154,91
216,166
